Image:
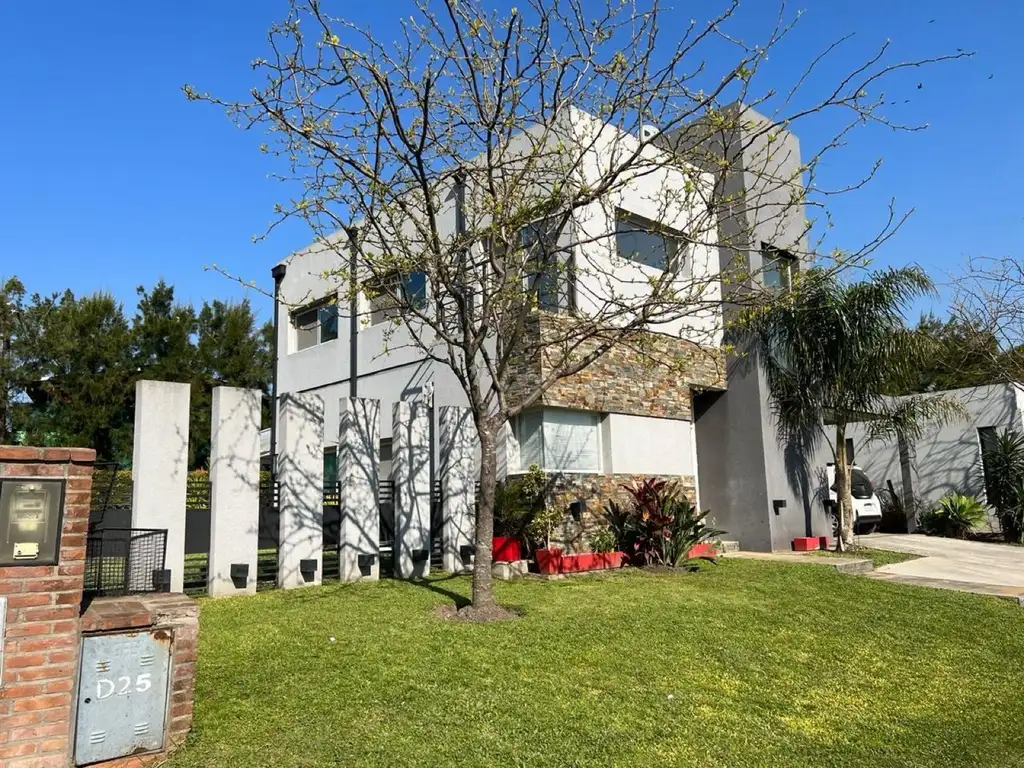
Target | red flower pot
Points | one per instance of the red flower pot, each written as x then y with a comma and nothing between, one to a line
549,561
506,549
591,561
702,550
610,559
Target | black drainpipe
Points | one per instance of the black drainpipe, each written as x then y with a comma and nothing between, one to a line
353,313
277,273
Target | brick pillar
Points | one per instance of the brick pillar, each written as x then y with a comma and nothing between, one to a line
300,468
410,473
40,645
459,473
358,469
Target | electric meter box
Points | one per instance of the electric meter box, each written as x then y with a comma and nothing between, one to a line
31,513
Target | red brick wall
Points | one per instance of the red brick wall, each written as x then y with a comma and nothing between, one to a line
43,607
180,615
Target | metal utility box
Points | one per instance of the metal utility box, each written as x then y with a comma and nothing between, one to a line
30,521
122,695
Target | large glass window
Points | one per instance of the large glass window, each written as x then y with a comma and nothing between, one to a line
988,437
316,325
396,292
645,242
560,440
552,279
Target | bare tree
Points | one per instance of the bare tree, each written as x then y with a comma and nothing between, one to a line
486,155
988,302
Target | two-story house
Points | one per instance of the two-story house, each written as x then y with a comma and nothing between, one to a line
705,421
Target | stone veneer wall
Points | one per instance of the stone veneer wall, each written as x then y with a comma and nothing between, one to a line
652,376
596,491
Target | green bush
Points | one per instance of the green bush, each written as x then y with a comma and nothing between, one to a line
602,540
1003,469
658,526
517,502
955,516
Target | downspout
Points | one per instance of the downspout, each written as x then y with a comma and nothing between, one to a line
353,313
278,273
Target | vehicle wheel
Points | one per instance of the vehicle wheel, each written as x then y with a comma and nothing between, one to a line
831,510
867,529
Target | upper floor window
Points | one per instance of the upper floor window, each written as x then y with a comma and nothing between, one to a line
559,440
550,266
777,267
645,242
315,325
395,292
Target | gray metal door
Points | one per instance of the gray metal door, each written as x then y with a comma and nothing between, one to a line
122,695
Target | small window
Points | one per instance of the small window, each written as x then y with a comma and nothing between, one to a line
551,269
776,268
330,466
315,325
647,243
385,458
394,293
560,440
988,437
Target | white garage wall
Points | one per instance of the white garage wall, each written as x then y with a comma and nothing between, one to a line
646,446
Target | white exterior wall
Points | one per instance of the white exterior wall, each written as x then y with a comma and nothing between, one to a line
949,455
646,446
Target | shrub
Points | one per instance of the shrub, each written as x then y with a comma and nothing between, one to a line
602,540
517,502
955,516
1003,469
658,526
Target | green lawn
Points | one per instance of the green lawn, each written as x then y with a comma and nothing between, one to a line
879,557
749,663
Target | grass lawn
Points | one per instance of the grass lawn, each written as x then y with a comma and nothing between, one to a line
879,557
749,663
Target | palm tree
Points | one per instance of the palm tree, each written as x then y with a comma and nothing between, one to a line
828,349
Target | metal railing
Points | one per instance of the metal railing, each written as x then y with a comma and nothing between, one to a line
125,561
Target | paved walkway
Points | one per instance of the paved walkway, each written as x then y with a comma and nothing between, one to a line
969,566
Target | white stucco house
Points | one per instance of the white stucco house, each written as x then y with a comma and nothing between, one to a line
711,427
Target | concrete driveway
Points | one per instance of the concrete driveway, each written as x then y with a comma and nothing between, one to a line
972,566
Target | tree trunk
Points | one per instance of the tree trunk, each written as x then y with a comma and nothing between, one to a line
844,494
483,583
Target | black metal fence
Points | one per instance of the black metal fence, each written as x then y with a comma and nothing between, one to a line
121,561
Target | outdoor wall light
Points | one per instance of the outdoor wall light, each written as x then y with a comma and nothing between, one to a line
307,568
366,561
420,555
577,508
240,574
778,504
30,521
162,580
466,552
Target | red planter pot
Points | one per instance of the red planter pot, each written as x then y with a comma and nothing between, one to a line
702,550
506,549
591,561
549,561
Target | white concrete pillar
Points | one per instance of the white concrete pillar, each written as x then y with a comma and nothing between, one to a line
301,474
358,470
234,491
160,470
410,473
459,473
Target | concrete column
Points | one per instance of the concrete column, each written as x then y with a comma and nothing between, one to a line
410,472
358,465
459,474
234,490
301,474
160,468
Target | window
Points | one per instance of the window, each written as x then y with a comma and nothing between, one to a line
553,280
776,268
395,292
647,243
316,325
330,466
560,441
988,437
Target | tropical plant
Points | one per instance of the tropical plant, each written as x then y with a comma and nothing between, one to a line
828,350
1003,474
517,501
955,516
658,526
542,524
602,540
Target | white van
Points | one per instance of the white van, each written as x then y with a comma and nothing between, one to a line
867,509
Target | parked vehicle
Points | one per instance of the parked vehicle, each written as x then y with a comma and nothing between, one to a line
867,509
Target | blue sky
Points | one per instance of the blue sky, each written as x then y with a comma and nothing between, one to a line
109,178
